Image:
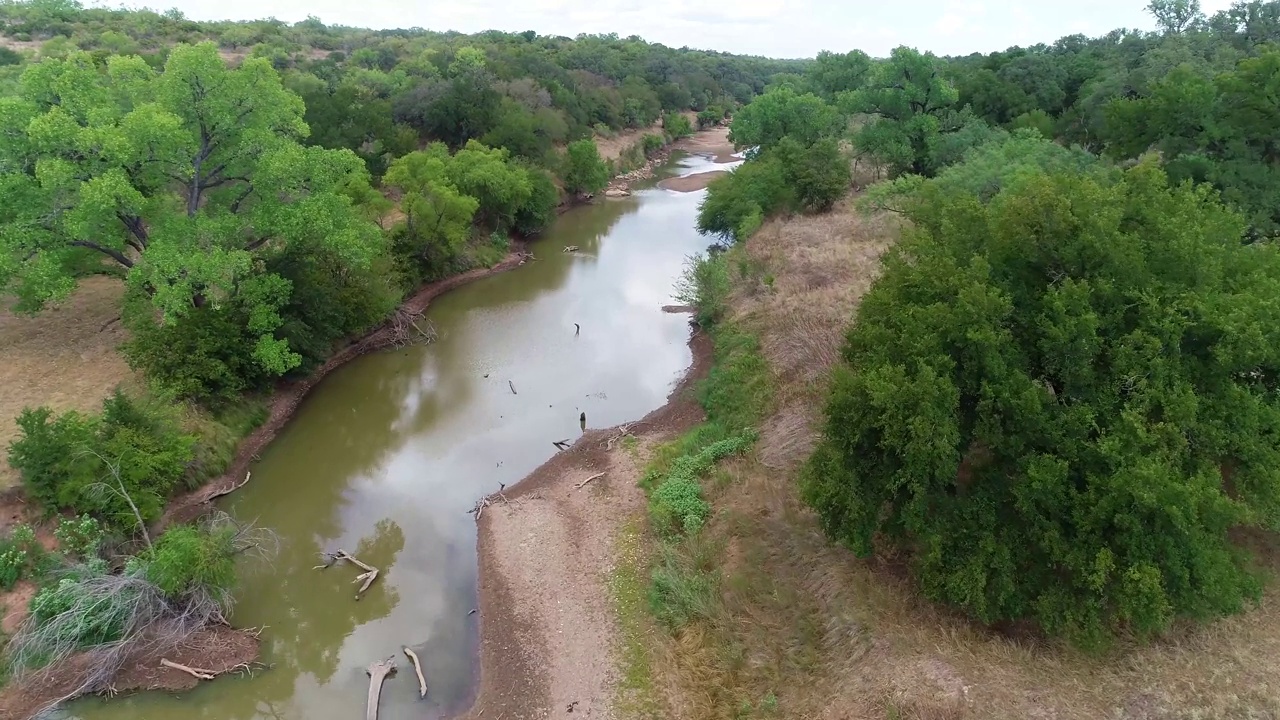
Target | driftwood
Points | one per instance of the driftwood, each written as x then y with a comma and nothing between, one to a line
623,432
378,672
233,488
417,668
583,484
561,444
570,248
198,673
368,576
513,387
405,328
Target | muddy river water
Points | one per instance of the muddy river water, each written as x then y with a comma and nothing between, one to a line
387,454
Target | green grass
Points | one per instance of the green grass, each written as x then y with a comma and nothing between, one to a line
627,585
218,436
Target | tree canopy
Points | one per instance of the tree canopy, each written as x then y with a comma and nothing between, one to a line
182,177
1061,401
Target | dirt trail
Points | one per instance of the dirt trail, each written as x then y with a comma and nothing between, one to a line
547,626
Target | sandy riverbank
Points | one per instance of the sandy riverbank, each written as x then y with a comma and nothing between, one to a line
547,625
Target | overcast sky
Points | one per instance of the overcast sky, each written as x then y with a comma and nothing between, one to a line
777,28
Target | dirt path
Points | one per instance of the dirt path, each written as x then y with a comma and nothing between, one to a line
547,628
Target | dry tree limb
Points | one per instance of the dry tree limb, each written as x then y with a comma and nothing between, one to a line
417,668
198,673
513,387
378,672
583,484
233,488
561,444
368,576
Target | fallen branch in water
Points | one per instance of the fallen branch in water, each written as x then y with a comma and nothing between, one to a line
233,488
368,576
197,673
513,387
583,484
561,444
378,672
417,668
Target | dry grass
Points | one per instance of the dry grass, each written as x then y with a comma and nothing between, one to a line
65,357
803,629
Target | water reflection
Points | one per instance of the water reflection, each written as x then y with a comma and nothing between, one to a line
386,456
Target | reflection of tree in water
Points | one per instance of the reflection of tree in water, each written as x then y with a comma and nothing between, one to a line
315,640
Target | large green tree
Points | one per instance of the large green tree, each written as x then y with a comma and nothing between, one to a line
183,178
782,112
1063,403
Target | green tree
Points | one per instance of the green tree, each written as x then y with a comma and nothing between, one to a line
1062,403
583,171
819,175
782,112
832,74
183,178
437,215
912,107
1176,16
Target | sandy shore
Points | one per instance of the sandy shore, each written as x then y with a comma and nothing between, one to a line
547,625
691,183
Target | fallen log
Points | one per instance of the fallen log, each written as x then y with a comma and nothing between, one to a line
378,672
197,673
233,488
417,668
368,576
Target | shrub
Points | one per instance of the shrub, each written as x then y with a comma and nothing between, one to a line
705,285
189,559
652,143
582,171
710,118
12,564
677,126
678,593
206,356
1063,403
539,210
79,538
736,205
819,175
74,461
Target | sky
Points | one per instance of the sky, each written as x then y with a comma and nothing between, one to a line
775,28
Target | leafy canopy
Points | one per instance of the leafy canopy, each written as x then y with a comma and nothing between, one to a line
182,177
782,112
1062,402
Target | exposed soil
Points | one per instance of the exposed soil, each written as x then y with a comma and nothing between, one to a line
289,394
64,358
712,142
691,183
219,649
546,624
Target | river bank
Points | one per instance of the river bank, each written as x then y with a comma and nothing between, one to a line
559,551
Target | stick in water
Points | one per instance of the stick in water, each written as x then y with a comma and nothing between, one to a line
417,667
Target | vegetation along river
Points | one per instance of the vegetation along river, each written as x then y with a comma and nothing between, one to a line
387,454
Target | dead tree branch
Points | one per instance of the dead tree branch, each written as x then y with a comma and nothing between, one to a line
583,484
368,576
378,672
417,668
197,673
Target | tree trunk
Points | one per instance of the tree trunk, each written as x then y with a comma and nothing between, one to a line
378,672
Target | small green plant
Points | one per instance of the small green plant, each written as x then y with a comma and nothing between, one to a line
705,285
12,564
676,504
680,593
652,143
80,537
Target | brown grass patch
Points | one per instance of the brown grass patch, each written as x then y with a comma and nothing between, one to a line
65,357
803,629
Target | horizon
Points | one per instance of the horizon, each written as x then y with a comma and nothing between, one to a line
781,29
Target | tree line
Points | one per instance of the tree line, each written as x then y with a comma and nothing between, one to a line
1061,399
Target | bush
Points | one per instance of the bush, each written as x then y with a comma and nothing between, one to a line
652,143
79,538
12,564
819,175
188,559
677,126
537,212
582,170
710,117
72,461
736,205
1063,402
206,356
705,285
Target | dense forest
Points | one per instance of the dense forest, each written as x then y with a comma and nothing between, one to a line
1061,397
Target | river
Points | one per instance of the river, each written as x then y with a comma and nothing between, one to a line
387,454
